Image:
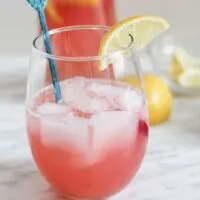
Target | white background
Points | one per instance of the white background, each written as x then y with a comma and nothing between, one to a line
17,19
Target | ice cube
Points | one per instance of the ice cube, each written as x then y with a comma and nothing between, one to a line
82,101
74,93
112,129
130,100
98,88
98,105
68,95
71,88
105,90
89,104
52,108
68,131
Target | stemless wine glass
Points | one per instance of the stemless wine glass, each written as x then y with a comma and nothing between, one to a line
91,144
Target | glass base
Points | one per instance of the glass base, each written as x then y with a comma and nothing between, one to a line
68,197
76,198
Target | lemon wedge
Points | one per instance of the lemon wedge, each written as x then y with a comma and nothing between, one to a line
142,29
182,61
190,78
176,69
185,59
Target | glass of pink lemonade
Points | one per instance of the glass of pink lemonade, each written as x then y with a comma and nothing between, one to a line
90,145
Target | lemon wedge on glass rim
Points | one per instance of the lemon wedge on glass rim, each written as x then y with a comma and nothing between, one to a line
142,29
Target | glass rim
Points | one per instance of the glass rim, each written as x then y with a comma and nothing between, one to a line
79,58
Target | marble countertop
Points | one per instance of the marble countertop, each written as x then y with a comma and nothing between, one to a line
170,171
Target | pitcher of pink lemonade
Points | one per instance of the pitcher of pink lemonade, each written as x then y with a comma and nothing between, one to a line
61,13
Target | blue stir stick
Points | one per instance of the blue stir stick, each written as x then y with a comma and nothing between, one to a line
39,6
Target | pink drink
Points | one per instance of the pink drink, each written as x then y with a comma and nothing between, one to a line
92,145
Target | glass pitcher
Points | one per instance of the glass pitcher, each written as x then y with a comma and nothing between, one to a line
176,58
62,13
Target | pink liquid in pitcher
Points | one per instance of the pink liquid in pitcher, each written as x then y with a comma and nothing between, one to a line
92,144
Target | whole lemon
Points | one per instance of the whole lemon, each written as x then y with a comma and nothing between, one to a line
159,97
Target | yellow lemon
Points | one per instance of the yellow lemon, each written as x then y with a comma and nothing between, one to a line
159,97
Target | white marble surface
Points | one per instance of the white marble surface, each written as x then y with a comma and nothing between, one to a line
170,171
